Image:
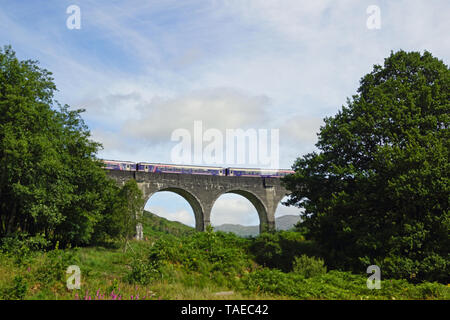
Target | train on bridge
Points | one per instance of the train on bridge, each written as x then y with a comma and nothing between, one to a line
187,169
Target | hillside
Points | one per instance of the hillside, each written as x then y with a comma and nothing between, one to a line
157,226
286,222
281,223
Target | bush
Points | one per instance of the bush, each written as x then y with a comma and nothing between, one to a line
21,246
337,285
432,268
277,250
16,291
271,281
142,271
308,267
55,264
204,252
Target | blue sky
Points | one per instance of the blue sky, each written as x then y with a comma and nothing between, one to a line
141,69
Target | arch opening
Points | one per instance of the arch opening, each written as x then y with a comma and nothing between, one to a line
240,212
176,205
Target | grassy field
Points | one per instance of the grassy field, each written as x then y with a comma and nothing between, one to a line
175,262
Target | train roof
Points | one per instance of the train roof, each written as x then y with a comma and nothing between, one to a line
118,161
179,165
261,169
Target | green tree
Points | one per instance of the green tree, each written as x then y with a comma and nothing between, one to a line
50,180
377,192
127,214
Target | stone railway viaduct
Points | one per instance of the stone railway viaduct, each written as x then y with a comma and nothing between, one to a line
201,191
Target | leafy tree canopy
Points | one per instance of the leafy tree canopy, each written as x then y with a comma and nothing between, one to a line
50,181
377,191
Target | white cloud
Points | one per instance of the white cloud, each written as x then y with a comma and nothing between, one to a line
233,209
219,108
301,129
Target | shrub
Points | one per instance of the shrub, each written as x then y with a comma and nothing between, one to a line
308,266
204,252
55,264
142,271
432,268
277,250
16,291
21,246
337,285
273,281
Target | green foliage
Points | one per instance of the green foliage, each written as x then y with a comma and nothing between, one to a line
308,266
128,209
204,252
378,189
124,213
278,249
114,287
16,291
50,181
53,268
337,285
143,271
21,246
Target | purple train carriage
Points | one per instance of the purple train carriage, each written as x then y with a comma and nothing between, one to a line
202,170
174,168
119,165
252,172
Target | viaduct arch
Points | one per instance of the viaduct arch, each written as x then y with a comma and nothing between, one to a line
202,191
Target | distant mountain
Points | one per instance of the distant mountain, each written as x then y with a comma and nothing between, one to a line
286,222
281,223
157,226
242,231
